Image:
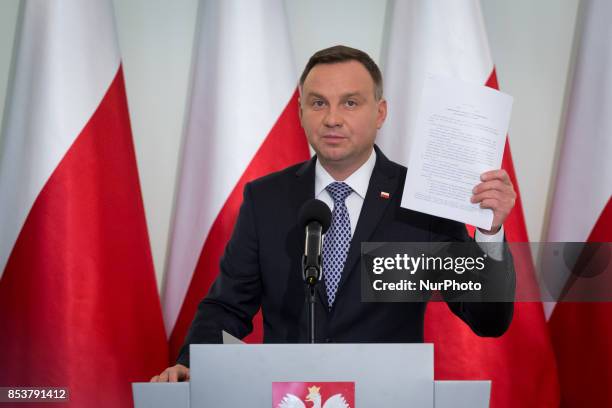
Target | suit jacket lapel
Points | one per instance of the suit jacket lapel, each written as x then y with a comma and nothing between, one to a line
303,188
385,178
301,191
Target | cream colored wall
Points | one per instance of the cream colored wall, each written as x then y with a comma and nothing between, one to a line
531,44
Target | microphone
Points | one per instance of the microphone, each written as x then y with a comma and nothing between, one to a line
315,217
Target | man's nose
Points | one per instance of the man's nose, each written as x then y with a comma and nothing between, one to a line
333,118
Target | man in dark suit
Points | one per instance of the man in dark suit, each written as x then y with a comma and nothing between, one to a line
341,110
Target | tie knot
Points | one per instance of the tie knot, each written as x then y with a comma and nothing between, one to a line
339,190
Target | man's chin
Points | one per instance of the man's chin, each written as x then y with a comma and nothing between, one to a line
333,159
333,154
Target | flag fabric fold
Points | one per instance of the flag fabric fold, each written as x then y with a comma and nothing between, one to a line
582,211
243,124
448,38
79,307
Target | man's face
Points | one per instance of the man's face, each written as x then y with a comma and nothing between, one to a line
340,113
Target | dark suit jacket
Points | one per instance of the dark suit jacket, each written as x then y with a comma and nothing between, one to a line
261,267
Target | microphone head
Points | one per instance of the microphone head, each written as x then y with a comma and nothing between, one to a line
315,210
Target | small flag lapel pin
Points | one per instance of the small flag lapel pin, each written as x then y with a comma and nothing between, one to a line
385,195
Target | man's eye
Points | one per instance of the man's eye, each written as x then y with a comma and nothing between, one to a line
350,103
318,104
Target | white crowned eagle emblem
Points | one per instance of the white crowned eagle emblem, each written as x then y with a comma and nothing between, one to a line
314,396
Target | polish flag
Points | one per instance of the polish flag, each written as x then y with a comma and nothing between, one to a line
243,124
582,212
448,38
79,306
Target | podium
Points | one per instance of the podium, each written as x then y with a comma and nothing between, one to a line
382,375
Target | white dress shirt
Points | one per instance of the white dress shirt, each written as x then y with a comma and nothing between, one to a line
359,182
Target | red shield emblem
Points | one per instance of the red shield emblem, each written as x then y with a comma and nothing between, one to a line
313,395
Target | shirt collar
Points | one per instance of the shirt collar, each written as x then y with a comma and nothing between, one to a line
358,181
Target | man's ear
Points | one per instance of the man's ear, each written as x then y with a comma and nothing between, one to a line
300,106
382,113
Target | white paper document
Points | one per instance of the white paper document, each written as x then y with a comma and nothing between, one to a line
460,133
229,339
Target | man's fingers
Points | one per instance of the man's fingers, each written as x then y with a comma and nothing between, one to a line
486,195
501,201
489,203
182,372
492,185
502,197
173,374
500,174
163,377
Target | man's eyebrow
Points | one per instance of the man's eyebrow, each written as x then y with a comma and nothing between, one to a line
314,95
351,94
346,95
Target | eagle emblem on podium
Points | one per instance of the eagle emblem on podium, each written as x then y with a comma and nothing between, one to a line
341,395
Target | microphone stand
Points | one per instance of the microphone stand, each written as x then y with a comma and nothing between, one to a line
311,272
312,299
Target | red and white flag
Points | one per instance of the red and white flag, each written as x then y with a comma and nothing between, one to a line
243,124
79,307
448,38
582,212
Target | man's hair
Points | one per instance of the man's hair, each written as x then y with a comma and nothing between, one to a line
341,53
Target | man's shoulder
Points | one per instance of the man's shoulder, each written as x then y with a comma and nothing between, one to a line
278,178
399,168
287,176
387,166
